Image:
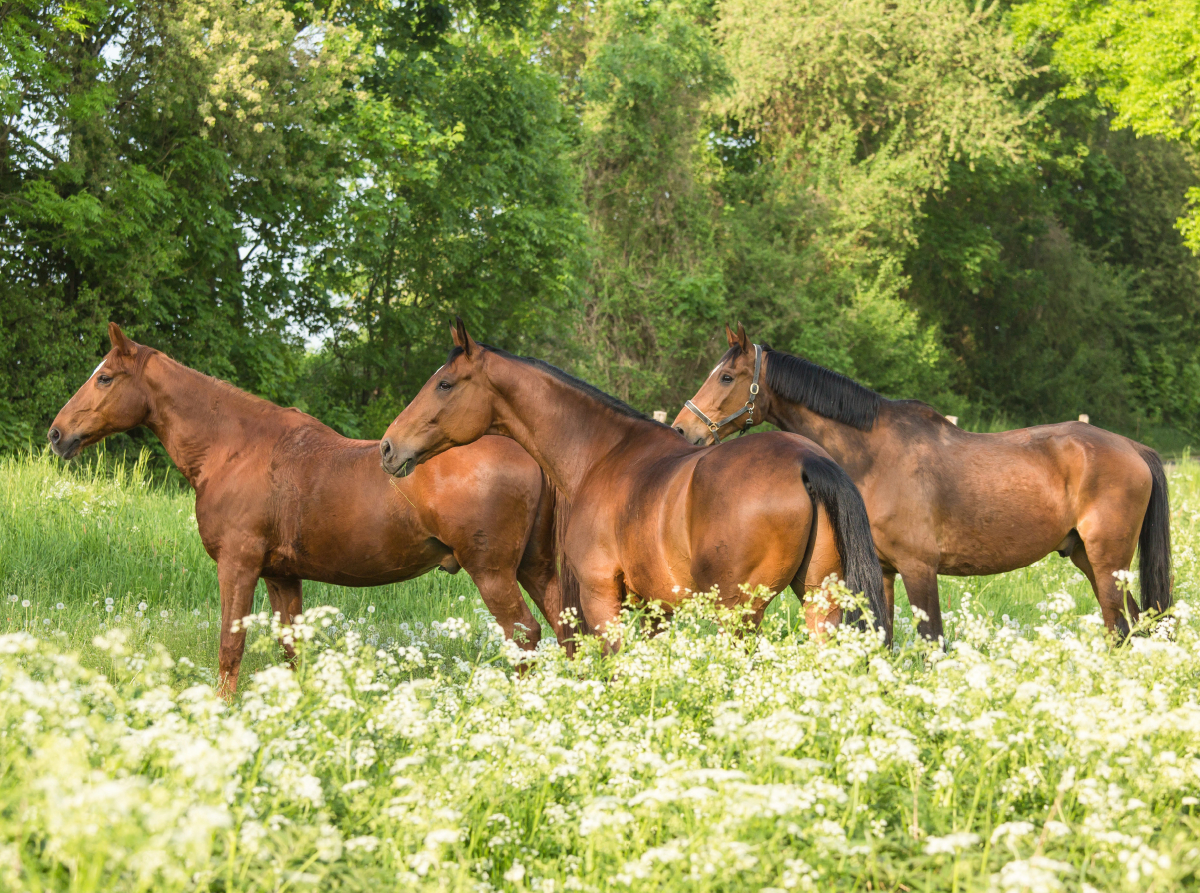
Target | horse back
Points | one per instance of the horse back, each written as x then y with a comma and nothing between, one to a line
1003,500
1068,456
694,511
319,506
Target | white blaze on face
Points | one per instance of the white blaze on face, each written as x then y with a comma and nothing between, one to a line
94,371
714,370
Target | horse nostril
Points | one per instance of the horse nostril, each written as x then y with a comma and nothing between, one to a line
682,433
385,449
55,435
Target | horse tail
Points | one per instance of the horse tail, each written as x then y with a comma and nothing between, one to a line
1154,542
568,583
829,485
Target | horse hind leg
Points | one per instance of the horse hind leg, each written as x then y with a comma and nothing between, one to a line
286,601
823,560
1099,561
921,584
502,595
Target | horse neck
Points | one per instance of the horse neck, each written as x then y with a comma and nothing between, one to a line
194,416
850,447
565,430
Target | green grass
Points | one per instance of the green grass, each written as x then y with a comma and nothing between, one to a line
78,534
82,533
1029,755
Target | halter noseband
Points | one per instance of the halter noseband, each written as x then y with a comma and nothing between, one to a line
715,427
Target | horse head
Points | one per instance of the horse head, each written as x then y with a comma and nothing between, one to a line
728,401
113,399
454,407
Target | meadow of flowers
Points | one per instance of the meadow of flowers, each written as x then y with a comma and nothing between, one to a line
1029,755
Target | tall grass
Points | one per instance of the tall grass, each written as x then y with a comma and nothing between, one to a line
83,533
406,752
91,546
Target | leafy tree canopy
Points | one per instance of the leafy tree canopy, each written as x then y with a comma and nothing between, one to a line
979,205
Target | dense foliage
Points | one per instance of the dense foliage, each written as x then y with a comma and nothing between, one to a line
943,199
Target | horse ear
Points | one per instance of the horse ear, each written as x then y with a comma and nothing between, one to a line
120,343
743,341
461,338
730,336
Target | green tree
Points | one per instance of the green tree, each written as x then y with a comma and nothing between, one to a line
226,177
638,77
1138,56
159,165
477,217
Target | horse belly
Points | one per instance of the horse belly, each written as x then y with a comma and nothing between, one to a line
349,547
357,570
979,550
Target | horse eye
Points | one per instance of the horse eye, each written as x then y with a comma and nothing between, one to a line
444,385
727,378
104,379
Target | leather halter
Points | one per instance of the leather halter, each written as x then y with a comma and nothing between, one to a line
715,427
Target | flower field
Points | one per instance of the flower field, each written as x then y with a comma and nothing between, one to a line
1030,755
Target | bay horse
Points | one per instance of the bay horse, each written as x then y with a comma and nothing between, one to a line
650,515
944,500
283,497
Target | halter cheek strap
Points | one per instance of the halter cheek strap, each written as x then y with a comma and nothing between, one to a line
748,409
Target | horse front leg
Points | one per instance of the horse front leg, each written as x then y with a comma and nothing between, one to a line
237,579
600,600
542,583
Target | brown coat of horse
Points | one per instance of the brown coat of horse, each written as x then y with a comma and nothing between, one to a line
650,514
282,497
944,500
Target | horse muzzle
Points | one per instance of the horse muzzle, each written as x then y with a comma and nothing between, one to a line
394,458
64,447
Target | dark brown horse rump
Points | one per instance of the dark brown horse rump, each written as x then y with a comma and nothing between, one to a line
283,497
651,514
944,500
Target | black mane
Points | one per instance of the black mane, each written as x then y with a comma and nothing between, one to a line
604,399
825,392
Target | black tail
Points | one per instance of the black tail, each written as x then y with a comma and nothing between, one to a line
832,488
568,583
1154,543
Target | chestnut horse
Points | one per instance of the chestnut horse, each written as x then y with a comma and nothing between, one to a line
944,500
282,497
650,514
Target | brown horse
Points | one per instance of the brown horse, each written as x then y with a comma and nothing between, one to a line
944,500
651,515
282,497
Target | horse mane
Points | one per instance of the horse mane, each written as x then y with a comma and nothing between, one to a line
825,392
604,399
225,388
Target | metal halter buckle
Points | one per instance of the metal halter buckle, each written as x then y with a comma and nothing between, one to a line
714,427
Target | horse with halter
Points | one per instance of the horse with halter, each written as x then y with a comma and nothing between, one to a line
650,514
944,500
282,497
